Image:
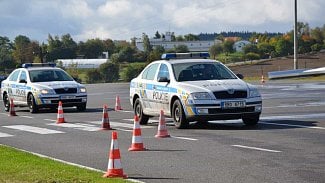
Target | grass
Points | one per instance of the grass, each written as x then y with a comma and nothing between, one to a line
18,166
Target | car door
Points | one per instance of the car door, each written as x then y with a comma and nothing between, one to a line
21,88
12,85
146,90
161,91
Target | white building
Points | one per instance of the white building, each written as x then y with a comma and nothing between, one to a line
239,45
167,43
81,63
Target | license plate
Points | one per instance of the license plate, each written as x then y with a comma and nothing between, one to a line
232,104
68,97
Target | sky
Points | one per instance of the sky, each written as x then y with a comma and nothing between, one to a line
125,19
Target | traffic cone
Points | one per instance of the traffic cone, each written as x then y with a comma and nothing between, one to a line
60,117
137,144
114,168
162,128
12,111
105,119
117,103
262,80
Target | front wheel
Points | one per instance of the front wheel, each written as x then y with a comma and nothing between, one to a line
179,115
138,110
33,108
251,120
6,102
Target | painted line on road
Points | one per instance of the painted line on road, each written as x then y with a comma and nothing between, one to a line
78,126
30,117
300,126
32,129
66,162
117,124
256,148
53,120
184,138
5,135
124,111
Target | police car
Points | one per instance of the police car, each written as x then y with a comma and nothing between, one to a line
189,87
42,86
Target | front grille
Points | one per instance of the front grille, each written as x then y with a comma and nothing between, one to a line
65,90
236,110
226,95
66,101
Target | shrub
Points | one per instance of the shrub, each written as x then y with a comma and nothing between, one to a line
132,71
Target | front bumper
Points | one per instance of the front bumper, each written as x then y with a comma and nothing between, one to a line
67,100
216,112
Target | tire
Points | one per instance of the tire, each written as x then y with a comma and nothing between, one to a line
179,115
33,108
6,102
82,107
138,110
251,120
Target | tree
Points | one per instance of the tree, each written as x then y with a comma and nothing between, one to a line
109,46
147,48
283,47
228,46
191,37
22,52
180,38
156,53
92,48
215,50
265,50
317,35
250,48
181,49
6,48
109,72
157,35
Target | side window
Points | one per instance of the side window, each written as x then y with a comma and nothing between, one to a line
149,73
14,76
163,71
23,76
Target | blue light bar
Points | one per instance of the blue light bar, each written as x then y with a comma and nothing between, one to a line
49,64
168,56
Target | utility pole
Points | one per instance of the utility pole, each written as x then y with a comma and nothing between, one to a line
295,41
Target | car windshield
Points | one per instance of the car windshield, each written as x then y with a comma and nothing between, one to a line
201,71
49,75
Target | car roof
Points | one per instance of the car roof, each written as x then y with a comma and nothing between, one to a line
177,61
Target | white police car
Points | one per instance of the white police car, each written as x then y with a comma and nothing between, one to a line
42,86
189,87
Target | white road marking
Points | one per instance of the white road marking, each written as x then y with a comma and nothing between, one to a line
30,117
298,116
78,126
53,120
5,135
124,111
184,138
300,126
256,148
117,124
33,129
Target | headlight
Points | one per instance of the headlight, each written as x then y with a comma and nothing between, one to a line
200,96
83,90
46,91
253,92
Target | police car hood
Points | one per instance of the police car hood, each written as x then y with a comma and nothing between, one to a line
57,84
213,85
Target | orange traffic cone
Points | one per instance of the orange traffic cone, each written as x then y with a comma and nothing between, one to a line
60,117
114,168
262,80
137,144
162,128
117,103
12,111
105,119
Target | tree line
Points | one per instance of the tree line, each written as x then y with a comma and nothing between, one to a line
127,61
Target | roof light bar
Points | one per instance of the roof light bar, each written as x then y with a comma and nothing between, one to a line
168,56
49,64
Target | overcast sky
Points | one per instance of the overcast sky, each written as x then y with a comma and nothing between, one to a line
124,19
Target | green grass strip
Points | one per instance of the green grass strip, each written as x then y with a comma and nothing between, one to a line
18,166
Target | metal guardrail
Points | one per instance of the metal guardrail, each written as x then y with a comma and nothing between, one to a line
296,73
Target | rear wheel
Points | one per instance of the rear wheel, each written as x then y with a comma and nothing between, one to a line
138,110
179,115
251,120
33,108
6,102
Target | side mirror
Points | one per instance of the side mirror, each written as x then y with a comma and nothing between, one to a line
163,79
22,81
240,76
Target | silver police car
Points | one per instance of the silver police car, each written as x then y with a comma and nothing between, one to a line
188,87
42,86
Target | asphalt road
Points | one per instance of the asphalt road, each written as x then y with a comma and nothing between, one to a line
287,146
